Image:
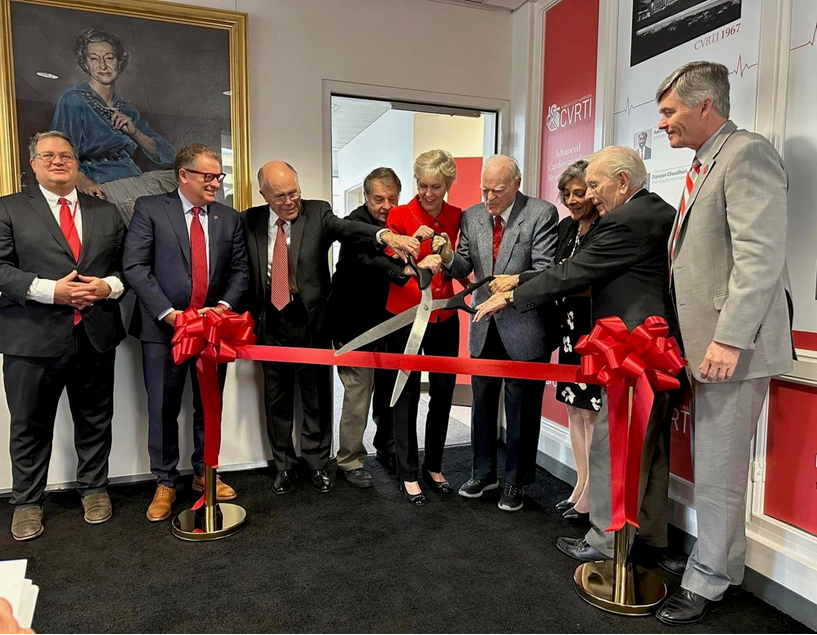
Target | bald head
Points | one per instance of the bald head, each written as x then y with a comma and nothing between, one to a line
278,182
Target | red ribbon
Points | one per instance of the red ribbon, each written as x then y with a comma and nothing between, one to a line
631,366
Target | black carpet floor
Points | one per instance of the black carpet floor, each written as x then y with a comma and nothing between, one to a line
347,561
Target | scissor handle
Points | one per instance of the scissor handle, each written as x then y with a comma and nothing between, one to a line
457,301
424,276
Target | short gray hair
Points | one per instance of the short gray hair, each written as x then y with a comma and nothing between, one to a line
574,171
503,160
386,176
695,81
56,134
438,163
617,159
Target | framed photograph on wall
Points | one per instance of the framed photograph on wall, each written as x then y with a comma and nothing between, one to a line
130,82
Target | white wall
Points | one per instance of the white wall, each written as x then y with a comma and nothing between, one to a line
294,45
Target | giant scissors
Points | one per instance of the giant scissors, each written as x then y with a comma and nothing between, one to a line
419,315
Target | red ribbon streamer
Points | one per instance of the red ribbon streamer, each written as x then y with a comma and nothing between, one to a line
631,366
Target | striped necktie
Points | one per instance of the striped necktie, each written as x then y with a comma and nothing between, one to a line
692,175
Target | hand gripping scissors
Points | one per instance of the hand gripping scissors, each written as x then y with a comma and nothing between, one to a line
419,315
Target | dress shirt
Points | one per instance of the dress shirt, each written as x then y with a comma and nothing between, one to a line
42,289
187,206
704,153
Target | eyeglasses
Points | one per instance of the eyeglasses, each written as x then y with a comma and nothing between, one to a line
208,176
48,157
292,196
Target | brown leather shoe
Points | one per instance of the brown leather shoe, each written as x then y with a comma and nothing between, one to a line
97,508
223,491
27,522
160,506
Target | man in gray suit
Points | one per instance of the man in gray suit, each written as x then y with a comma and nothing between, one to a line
727,256
508,234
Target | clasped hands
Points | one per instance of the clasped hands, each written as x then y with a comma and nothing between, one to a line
79,291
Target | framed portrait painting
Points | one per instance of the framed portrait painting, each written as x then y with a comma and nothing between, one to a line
129,82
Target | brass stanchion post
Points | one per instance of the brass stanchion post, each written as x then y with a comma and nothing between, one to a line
211,521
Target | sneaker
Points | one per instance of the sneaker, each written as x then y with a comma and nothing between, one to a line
357,478
476,486
511,499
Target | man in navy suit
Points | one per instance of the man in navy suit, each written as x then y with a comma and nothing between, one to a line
183,250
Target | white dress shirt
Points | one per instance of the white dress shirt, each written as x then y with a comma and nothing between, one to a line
42,289
204,217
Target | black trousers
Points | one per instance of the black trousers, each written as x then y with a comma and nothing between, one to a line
290,327
33,389
441,338
523,413
164,383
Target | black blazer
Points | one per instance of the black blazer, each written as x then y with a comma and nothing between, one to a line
624,264
157,261
312,234
360,286
32,246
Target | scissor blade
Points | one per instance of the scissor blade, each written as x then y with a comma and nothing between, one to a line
424,310
381,330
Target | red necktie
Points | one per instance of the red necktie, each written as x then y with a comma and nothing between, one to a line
497,236
69,230
280,269
198,256
682,208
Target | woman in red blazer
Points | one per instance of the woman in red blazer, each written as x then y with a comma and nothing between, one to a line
426,214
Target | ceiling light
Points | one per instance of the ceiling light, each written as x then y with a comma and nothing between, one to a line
47,75
228,93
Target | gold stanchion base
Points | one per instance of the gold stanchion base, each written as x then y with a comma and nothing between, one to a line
191,525
593,582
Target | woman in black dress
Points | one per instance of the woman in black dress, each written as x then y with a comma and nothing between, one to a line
582,401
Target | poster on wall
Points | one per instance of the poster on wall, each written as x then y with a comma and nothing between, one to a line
661,25
568,91
800,155
725,31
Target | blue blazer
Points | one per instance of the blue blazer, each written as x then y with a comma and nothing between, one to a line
157,262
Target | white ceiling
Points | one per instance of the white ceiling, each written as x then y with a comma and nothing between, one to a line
350,117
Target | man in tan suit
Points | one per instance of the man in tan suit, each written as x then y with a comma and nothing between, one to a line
727,256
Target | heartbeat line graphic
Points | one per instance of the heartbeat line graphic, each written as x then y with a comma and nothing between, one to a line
741,67
809,43
628,108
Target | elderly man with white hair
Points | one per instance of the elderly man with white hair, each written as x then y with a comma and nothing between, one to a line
506,235
625,266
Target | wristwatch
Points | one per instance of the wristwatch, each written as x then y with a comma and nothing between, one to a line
508,296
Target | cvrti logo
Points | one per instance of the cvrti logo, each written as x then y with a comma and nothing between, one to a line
574,112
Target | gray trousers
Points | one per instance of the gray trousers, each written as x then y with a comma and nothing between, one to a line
654,486
359,385
724,420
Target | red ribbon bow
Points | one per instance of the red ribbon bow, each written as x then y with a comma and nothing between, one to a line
642,361
213,338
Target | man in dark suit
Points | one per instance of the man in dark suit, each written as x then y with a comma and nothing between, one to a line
183,250
60,261
625,266
507,235
288,242
360,288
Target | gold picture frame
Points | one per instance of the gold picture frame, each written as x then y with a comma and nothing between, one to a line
187,64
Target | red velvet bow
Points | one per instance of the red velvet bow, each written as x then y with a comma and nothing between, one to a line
213,339
631,366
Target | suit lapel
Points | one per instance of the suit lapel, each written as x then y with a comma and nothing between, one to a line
511,233
295,238
261,232
88,211
485,236
175,215
40,205
214,228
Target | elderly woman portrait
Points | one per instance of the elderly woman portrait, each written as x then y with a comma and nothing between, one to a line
583,401
426,214
107,130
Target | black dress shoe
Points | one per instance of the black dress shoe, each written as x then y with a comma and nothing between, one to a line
320,480
283,482
358,477
684,607
441,487
578,549
572,514
674,563
563,506
414,499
